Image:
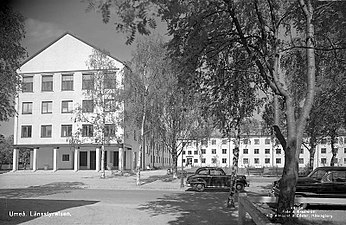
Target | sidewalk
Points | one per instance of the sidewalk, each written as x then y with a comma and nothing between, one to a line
152,180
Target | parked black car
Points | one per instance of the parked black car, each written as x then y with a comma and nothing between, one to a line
213,177
324,182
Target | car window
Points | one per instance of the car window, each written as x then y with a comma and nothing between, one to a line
203,172
317,174
216,172
339,176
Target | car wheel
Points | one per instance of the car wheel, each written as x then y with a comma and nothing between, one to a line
239,187
199,187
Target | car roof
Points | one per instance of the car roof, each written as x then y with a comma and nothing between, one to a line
328,168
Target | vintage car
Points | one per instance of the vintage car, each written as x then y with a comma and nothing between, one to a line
213,177
324,182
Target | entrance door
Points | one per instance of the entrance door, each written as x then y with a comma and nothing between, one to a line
116,160
105,161
93,160
83,159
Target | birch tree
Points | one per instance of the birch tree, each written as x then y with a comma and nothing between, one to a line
100,116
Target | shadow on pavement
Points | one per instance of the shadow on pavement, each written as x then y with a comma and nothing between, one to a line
32,208
42,190
164,178
193,207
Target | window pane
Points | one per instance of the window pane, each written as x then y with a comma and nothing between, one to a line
87,131
46,131
67,82
27,85
87,81
87,106
47,83
26,131
67,106
66,130
47,107
27,108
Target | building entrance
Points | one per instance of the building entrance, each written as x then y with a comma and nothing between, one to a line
93,160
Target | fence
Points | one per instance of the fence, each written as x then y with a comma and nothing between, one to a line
246,206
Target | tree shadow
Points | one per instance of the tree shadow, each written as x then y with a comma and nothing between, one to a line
194,207
31,209
151,179
42,190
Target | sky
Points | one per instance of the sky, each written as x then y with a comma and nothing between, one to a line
46,20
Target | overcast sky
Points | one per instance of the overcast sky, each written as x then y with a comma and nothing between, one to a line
46,20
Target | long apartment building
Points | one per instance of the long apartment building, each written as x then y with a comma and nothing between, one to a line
54,83
255,151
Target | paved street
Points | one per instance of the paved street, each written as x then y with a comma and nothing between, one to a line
84,198
89,206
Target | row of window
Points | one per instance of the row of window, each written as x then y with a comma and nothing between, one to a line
88,82
203,160
66,130
245,151
245,142
67,106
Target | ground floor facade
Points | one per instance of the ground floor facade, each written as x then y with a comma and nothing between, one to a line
84,157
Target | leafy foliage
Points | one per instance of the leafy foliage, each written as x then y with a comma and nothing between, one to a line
6,150
11,54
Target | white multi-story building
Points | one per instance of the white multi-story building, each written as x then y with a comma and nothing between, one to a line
52,87
255,151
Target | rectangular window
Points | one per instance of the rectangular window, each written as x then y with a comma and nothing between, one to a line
301,160
266,151
213,142
110,105
203,151
204,142
323,150
224,141
213,151
323,160
87,106
195,160
278,151
267,160
26,131
66,130
47,107
87,81
110,81
245,161
110,130
224,151
344,160
87,130
256,160
67,106
47,82
203,160
189,152
46,131
257,141
345,150
65,157
278,160
184,160
256,151
67,82
301,151
28,84
224,160
195,152
27,108
245,151
183,152
246,141
267,141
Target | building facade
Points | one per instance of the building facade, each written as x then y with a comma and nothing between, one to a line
53,87
255,151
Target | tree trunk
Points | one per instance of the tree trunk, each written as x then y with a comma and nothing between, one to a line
312,151
175,163
289,179
103,175
334,150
